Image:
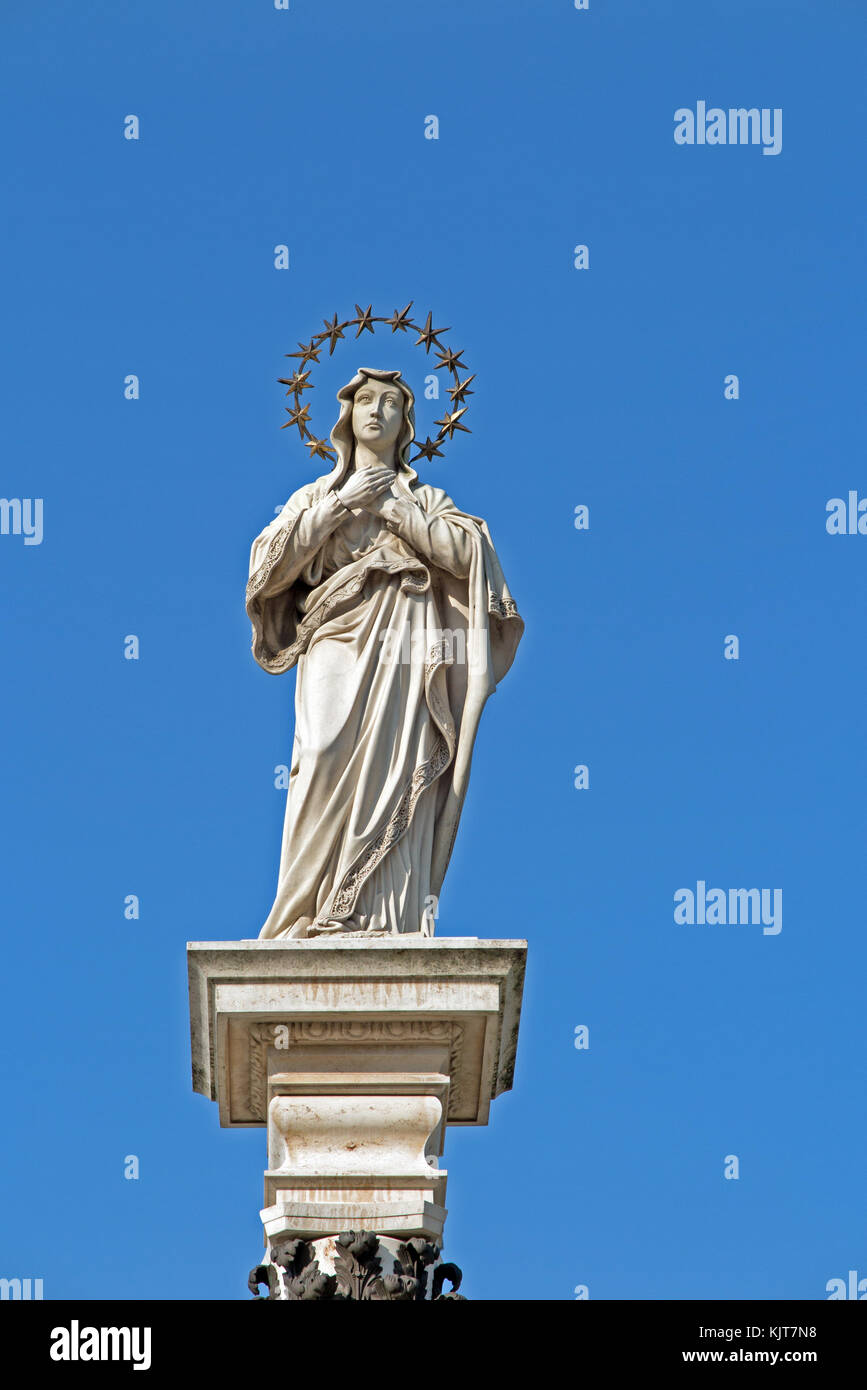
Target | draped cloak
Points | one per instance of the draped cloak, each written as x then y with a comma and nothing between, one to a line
383,744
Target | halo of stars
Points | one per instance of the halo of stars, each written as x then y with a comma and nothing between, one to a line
400,322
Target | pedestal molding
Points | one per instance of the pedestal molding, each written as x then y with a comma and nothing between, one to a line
355,1055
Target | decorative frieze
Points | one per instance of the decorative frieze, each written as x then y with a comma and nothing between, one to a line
342,1032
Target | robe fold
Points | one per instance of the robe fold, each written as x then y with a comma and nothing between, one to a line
401,627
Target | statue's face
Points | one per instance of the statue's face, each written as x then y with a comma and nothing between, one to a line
377,415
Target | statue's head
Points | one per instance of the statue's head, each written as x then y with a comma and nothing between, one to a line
376,409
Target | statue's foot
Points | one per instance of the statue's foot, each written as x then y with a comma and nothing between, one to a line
330,926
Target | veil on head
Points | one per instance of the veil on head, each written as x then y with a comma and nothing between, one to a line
343,438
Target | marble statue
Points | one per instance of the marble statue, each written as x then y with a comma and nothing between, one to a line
393,605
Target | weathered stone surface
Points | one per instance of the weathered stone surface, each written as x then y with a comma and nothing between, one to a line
355,1054
352,992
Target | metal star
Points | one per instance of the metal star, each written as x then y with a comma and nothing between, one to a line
400,320
427,450
319,447
364,319
310,353
458,392
450,422
334,331
450,360
428,335
297,382
299,416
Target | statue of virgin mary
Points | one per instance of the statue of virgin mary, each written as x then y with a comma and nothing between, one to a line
393,605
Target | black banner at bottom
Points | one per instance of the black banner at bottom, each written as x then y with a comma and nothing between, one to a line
82,1338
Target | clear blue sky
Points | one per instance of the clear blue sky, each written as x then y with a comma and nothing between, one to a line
604,387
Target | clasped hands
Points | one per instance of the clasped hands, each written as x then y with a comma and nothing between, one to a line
368,490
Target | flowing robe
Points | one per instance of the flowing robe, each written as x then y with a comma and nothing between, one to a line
401,626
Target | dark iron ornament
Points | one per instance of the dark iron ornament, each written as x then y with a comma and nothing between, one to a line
294,1276
400,322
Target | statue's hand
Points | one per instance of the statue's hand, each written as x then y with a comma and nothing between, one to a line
364,489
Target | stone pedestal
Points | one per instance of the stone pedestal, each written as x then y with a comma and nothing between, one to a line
355,1055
